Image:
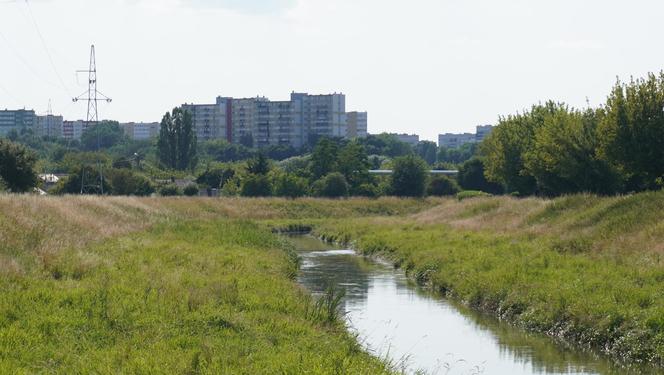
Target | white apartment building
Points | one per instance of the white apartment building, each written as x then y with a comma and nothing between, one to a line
455,140
356,124
411,139
49,126
73,130
16,120
269,123
141,131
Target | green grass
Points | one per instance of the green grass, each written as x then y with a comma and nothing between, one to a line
183,297
581,268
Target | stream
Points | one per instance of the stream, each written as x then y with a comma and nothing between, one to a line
417,331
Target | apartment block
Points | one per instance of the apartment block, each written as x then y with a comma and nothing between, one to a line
455,140
411,139
268,123
141,131
17,120
73,130
49,126
482,132
356,124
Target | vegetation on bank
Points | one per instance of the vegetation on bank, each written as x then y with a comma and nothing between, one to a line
581,268
167,285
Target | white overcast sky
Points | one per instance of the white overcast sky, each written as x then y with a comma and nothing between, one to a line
417,66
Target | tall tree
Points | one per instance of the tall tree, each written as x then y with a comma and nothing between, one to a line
353,163
177,144
102,135
564,160
507,145
324,158
409,177
17,165
632,131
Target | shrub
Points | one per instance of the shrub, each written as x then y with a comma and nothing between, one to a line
191,190
126,182
17,165
468,194
170,190
291,186
256,186
409,176
333,185
442,186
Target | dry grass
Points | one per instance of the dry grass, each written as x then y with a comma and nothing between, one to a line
36,230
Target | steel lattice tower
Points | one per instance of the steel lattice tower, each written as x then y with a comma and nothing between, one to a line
93,97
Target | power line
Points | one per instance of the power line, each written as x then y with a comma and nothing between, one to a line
25,62
48,53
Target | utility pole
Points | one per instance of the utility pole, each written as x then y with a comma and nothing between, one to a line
93,96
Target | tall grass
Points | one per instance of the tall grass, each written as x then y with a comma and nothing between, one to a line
184,297
581,268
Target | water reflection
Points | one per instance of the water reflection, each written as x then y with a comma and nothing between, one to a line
395,319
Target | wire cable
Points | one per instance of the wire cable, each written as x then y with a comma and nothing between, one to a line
48,53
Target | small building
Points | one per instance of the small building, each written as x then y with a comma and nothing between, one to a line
356,124
141,131
411,139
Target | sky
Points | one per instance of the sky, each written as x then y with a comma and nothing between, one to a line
417,66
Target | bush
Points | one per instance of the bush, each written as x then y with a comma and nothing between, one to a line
471,177
468,194
409,176
126,182
170,190
368,190
17,165
333,185
442,186
291,186
256,186
191,190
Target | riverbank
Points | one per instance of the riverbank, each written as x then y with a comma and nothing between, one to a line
583,269
191,286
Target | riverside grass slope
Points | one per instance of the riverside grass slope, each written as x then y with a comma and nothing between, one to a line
583,269
166,285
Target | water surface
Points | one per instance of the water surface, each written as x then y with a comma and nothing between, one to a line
397,320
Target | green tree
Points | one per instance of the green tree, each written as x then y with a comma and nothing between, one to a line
324,158
127,182
409,176
17,167
440,186
102,135
290,186
333,185
427,150
177,144
256,185
508,144
632,131
471,177
259,165
353,163
564,160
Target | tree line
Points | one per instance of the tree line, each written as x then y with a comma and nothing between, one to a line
553,149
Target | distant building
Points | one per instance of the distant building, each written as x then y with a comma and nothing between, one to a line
356,124
482,132
455,140
49,126
141,131
73,130
210,120
411,139
269,123
17,120
450,140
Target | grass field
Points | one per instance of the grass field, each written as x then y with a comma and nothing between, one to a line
185,286
582,268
